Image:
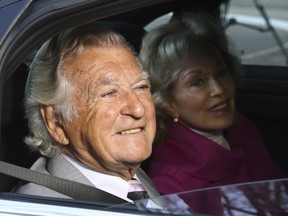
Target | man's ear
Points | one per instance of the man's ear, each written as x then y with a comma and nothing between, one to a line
53,124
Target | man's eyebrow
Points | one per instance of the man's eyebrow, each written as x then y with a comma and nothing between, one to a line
108,81
92,88
104,81
144,76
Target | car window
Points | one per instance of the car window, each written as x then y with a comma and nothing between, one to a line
231,199
256,198
259,30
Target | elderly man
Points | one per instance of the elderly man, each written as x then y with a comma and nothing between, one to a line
90,112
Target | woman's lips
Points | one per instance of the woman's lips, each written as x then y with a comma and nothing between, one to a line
219,107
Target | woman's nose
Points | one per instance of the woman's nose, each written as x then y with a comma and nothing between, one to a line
133,106
216,88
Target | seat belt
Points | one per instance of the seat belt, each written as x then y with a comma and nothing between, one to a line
67,187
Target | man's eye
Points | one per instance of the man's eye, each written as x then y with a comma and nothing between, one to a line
110,93
143,87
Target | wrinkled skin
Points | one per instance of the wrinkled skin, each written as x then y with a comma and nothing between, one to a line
115,126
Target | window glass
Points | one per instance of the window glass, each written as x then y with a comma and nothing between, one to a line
258,30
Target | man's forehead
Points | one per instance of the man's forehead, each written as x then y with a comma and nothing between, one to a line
107,67
95,56
108,80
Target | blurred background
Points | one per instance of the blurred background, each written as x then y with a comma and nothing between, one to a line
258,30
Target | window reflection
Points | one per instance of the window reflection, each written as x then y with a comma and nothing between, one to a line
258,198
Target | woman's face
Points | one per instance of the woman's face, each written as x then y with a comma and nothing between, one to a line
203,96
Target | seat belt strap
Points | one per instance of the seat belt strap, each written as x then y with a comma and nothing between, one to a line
67,187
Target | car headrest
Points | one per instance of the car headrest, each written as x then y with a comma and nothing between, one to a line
131,32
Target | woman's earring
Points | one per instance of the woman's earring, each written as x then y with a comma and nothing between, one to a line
175,120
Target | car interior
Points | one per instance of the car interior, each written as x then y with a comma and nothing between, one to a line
262,94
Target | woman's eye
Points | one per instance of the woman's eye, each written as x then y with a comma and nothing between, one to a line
197,82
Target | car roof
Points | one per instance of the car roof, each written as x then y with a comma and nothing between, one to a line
36,21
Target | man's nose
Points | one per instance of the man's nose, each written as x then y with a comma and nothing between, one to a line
216,88
132,105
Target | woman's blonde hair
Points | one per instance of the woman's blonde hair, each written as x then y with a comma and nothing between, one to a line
166,48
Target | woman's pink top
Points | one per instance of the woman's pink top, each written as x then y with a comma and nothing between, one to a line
186,160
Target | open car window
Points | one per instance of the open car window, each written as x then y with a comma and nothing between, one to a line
257,198
263,97
258,30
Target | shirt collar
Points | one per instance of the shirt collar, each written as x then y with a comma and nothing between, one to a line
111,184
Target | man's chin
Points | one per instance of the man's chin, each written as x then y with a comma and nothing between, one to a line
136,161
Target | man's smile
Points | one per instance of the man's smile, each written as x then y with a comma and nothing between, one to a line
131,131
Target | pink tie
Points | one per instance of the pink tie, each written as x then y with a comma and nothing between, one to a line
136,190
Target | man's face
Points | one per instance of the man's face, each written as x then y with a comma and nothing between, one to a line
116,125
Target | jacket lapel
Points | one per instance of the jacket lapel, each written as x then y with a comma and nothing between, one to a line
59,166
